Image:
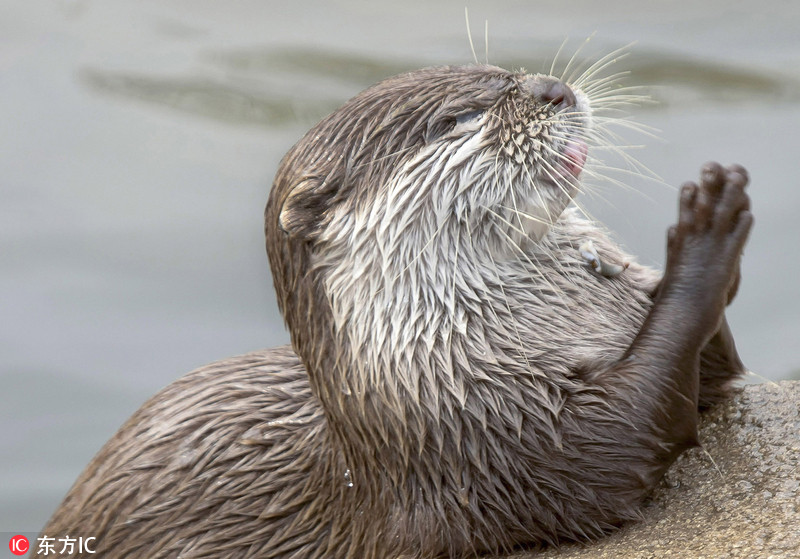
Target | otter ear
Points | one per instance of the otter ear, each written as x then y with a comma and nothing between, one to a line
304,207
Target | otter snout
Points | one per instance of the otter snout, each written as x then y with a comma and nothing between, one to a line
549,90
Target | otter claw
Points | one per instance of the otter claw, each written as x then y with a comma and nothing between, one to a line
605,269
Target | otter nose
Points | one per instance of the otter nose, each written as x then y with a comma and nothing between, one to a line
552,91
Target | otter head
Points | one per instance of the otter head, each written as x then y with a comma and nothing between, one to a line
383,215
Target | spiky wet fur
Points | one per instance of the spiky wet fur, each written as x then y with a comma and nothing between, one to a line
445,400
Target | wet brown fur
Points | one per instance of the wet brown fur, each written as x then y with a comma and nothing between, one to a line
301,453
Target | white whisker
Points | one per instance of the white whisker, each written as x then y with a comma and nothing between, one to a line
568,67
555,58
486,39
469,35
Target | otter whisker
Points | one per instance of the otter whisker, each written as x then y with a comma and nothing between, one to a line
635,126
565,273
635,167
525,215
631,96
535,267
536,190
604,139
603,179
598,168
567,68
601,64
521,231
520,345
601,138
392,154
524,234
469,36
511,190
486,39
555,58
538,193
603,84
555,178
599,88
459,393
416,257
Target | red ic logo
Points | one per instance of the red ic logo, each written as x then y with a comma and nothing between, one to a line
18,545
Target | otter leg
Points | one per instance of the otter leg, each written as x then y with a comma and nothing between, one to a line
719,361
720,366
658,377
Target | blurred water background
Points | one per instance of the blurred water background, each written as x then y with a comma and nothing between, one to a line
138,140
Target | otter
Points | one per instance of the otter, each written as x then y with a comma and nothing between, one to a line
474,365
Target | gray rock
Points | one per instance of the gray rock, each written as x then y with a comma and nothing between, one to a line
737,497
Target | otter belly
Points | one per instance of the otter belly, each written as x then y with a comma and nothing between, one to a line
566,314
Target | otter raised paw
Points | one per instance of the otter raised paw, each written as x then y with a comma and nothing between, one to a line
719,362
705,246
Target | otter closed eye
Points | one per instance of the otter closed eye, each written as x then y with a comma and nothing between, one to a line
460,380
468,117
446,127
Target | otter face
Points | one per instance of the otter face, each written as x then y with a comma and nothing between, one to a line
497,152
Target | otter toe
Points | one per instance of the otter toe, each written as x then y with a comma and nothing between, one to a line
734,200
704,210
712,178
740,170
742,228
686,209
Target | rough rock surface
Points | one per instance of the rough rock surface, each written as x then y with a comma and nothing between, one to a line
737,497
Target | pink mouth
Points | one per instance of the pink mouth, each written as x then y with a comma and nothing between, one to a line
575,156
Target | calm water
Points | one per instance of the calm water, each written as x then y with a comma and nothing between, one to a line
138,140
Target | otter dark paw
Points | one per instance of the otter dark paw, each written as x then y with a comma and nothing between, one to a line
705,246
713,177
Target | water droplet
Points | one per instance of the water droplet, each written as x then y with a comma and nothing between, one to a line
348,478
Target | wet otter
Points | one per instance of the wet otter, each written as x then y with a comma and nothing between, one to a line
462,380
